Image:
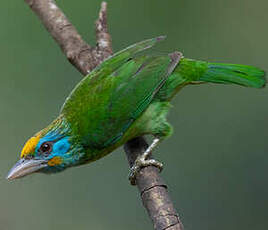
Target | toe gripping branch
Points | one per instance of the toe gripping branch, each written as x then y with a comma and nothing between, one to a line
153,189
144,160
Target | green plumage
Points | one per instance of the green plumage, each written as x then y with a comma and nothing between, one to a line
126,96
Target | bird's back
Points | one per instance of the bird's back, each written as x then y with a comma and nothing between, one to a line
106,102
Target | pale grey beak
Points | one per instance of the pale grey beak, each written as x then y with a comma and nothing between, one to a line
25,167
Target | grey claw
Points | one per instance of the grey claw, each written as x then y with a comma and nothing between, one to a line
141,163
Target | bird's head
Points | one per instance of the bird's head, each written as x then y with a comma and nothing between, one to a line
53,149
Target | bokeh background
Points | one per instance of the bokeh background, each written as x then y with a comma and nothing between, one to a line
216,161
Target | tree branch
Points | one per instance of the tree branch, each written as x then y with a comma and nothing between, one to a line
79,53
152,188
104,41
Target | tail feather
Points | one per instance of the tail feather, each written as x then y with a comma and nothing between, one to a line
190,71
231,73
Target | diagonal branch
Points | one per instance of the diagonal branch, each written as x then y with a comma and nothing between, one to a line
152,188
79,53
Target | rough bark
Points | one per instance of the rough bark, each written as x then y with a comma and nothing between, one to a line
153,190
79,53
84,57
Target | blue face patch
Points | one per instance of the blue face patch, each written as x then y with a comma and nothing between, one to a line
60,146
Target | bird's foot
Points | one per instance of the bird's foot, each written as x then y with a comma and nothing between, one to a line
143,161
140,163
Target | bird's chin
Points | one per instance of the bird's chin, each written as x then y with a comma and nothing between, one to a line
25,167
52,169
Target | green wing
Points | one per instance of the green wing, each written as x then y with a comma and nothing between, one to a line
105,103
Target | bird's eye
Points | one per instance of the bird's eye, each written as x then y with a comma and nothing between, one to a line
46,147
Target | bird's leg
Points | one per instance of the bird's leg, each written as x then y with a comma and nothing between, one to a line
143,161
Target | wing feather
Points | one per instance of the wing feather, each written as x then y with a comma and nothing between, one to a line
103,107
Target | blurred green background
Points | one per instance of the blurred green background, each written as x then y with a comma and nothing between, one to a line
216,161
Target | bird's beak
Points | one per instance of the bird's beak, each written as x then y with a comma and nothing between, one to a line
25,167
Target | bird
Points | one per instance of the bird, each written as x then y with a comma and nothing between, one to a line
126,96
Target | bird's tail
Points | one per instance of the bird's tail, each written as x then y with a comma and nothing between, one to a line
237,74
225,73
190,71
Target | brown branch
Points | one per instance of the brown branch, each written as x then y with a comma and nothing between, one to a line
79,53
104,41
152,188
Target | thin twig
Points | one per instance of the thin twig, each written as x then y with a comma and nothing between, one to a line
79,53
152,188
104,41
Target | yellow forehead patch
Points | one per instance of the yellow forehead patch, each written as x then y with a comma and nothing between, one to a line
29,146
54,161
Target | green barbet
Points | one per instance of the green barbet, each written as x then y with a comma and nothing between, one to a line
126,96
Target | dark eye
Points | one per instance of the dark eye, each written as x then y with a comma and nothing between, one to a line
46,147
